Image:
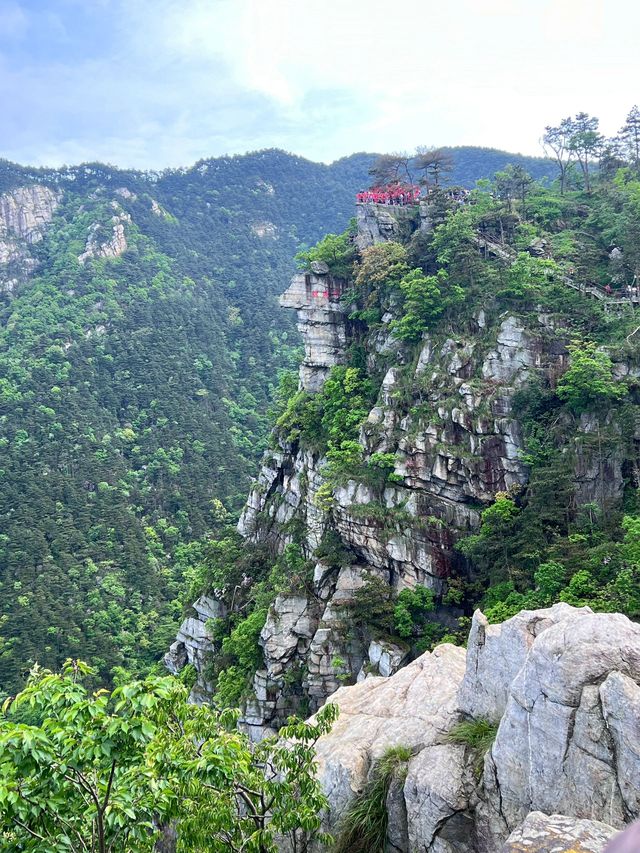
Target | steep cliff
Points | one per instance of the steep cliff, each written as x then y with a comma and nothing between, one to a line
445,414
443,432
25,213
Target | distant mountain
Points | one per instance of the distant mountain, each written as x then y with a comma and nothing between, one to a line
140,344
472,163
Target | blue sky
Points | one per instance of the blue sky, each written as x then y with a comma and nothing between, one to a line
155,83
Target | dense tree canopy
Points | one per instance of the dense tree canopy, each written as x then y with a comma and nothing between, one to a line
107,772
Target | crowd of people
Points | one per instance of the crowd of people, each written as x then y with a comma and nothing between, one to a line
402,194
405,194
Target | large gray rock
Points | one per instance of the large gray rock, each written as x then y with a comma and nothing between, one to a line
496,654
290,625
437,791
541,833
565,683
571,708
321,322
26,211
414,708
514,355
194,642
377,224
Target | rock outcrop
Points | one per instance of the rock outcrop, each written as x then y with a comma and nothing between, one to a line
380,223
107,241
564,770
414,708
321,321
25,213
194,642
445,415
568,740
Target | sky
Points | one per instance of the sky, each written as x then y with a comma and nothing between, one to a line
163,83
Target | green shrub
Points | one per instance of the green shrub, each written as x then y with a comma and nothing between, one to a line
373,605
336,250
411,609
588,384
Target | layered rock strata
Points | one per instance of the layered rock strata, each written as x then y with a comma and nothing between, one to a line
321,322
193,644
445,414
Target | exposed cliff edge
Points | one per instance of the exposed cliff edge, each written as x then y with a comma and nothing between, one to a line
443,419
562,685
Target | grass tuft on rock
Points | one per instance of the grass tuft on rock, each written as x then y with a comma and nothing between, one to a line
364,825
479,736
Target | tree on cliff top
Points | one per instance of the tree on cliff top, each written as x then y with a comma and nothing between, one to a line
434,163
389,168
556,140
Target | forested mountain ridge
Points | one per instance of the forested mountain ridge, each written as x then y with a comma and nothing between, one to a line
140,343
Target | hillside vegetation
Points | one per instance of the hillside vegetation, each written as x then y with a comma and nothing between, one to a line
558,263
134,389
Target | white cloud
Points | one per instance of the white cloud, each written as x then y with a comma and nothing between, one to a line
184,79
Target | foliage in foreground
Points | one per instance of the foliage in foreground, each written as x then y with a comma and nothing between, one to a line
104,772
364,826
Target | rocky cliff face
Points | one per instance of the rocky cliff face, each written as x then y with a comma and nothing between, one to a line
447,417
107,242
25,213
193,643
561,684
321,322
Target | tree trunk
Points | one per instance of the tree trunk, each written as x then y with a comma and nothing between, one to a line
168,841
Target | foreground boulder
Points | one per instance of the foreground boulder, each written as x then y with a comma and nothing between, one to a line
414,708
559,834
568,742
562,687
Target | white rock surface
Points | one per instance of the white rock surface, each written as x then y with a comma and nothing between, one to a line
513,356
541,833
565,682
194,642
25,213
495,655
102,244
414,708
570,709
321,321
